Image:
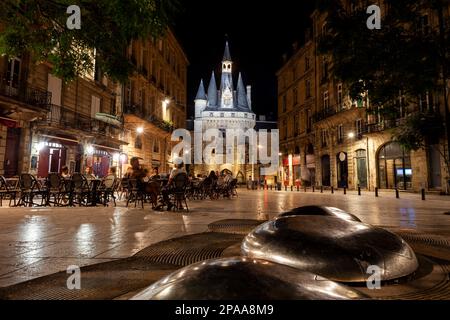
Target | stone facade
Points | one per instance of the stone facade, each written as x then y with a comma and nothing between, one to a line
224,107
328,140
46,123
155,100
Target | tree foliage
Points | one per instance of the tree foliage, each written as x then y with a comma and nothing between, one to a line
419,129
400,57
39,27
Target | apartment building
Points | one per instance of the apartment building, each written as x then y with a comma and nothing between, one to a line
46,123
329,140
155,100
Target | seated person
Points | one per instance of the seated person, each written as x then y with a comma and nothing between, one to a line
146,178
228,178
138,172
113,172
168,189
155,174
129,173
65,172
89,173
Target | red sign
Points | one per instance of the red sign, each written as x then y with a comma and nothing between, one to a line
9,123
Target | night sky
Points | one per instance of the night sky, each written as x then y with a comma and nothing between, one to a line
258,34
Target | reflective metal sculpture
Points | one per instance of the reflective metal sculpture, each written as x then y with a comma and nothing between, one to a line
240,278
320,211
334,248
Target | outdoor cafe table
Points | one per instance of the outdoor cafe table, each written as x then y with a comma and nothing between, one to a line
93,189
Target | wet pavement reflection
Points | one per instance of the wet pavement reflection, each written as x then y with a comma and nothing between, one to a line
40,241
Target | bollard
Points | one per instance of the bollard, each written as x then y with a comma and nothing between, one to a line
285,188
321,189
332,190
376,192
313,189
292,188
298,188
345,190
359,190
397,193
304,189
423,194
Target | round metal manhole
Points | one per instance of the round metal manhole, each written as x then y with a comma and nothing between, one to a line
189,249
235,226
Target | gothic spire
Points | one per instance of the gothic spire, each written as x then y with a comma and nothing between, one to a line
212,91
242,101
227,55
201,95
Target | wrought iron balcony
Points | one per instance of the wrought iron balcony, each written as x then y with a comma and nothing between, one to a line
27,94
65,118
134,109
139,111
325,113
382,126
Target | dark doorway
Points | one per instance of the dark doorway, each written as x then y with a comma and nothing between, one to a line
342,169
11,164
326,171
435,166
361,168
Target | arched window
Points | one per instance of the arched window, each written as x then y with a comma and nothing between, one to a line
394,167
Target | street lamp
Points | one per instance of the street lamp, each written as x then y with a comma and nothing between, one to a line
40,146
351,135
140,130
90,149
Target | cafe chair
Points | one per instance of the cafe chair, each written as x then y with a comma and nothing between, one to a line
7,192
180,183
79,190
108,189
30,188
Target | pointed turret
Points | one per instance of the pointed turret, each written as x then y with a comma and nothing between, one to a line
212,91
242,101
200,100
226,54
201,95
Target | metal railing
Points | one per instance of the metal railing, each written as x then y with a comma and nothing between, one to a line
69,119
27,94
140,112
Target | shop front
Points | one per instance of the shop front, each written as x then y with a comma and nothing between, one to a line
11,133
51,153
